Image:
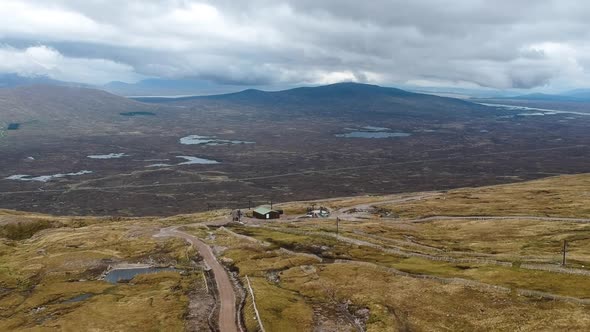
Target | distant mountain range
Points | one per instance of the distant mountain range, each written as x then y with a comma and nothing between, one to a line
337,99
338,90
578,95
149,87
461,93
15,80
197,87
81,108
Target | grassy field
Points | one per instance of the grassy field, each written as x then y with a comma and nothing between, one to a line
563,196
506,276
283,280
378,274
40,272
402,303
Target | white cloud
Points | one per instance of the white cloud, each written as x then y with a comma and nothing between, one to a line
42,60
48,22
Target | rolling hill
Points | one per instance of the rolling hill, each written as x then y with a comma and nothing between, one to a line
59,103
340,99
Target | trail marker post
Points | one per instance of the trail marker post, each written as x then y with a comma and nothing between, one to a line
564,252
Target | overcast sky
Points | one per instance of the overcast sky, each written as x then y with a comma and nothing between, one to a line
468,43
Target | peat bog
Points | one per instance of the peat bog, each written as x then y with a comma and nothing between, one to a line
296,155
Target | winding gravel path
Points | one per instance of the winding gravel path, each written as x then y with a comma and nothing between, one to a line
227,296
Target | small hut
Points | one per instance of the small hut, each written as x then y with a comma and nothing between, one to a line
264,212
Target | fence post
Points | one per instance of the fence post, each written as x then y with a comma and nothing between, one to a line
564,252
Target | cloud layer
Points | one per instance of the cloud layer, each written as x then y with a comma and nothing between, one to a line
500,44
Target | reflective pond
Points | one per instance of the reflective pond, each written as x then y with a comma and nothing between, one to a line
117,275
373,134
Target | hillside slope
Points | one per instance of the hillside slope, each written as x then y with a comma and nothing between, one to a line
45,102
380,270
563,196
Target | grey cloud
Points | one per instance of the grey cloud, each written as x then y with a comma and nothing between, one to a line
501,44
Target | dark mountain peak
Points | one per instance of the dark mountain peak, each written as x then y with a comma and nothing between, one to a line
252,91
347,86
347,89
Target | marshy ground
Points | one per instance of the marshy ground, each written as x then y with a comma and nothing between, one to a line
243,152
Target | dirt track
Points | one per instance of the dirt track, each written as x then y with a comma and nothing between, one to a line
516,217
227,296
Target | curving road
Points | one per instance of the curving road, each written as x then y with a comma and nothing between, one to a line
227,296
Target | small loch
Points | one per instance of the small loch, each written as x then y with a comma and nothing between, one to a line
137,114
45,178
210,141
196,161
372,132
79,298
122,275
108,156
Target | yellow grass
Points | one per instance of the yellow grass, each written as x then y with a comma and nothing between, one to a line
402,303
60,263
563,196
280,309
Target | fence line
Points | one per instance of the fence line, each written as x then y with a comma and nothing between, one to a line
254,305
